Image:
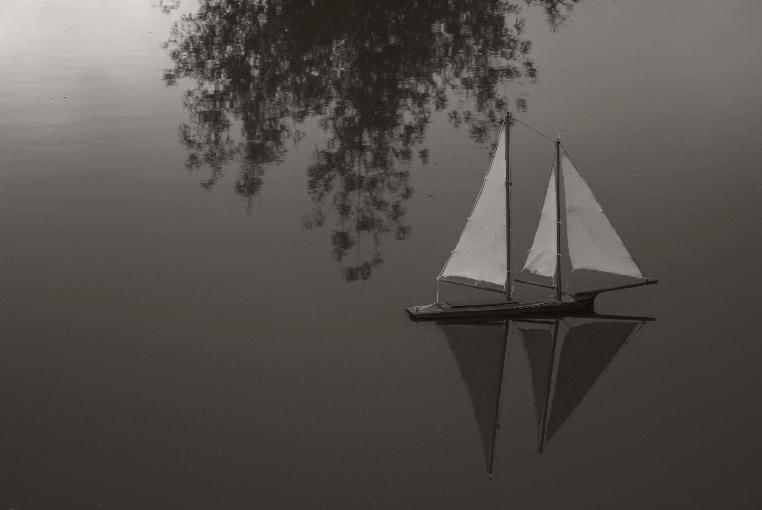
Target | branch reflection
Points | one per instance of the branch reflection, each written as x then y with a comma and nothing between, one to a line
372,73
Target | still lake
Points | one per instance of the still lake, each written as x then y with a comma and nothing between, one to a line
214,212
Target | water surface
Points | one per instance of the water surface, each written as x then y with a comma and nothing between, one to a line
214,212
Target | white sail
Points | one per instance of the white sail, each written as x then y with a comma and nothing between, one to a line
593,242
542,255
479,258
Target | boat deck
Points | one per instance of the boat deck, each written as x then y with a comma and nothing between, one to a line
445,311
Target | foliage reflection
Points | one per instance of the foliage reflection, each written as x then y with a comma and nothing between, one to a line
372,73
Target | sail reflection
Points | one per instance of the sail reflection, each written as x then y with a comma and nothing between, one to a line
526,378
371,73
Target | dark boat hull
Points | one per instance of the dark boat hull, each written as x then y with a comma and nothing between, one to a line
444,311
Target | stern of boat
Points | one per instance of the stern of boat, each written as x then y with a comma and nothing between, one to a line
419,312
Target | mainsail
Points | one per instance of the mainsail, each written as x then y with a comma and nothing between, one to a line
479,258
593,242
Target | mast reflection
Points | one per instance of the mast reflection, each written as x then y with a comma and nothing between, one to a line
526,378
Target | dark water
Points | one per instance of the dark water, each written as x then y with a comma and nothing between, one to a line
211,224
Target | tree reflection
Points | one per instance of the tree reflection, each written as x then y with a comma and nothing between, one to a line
373,73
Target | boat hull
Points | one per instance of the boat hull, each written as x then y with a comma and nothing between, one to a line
444,311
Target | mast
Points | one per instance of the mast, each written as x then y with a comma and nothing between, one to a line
551,369
506,331
558,218
508,286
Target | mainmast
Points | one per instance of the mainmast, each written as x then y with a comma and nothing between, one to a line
506,332
558,218
508,286
546,407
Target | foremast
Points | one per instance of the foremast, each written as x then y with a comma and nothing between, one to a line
508,282
558,219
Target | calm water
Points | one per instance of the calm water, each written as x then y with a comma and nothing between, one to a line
212,215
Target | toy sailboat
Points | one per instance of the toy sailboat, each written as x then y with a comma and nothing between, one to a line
482,257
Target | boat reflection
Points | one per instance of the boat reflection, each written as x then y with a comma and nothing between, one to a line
371,74
527,377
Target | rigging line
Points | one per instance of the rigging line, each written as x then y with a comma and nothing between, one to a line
535,130
515,463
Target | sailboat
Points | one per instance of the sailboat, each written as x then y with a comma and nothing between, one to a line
526,377
482,257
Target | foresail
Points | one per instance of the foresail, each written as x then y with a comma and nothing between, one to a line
593,242
538,344
479,258
542,255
